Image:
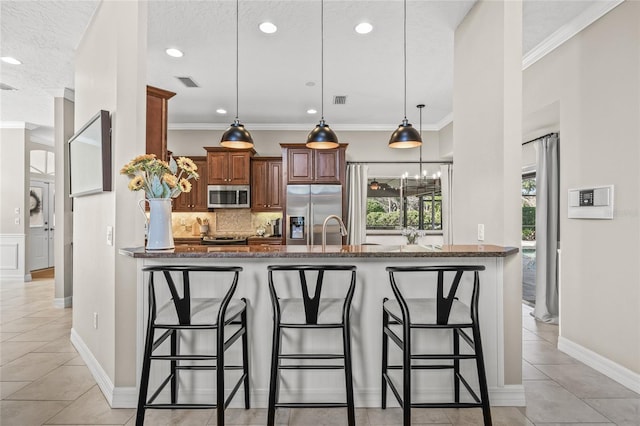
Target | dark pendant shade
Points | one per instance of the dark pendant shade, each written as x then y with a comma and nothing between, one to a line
236,136
322,137
405,136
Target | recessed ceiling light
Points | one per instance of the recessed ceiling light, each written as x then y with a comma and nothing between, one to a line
364,28
10,60
310,84
312,111
221,111
268,28
174,52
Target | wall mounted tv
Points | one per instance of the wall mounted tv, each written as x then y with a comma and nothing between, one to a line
90,157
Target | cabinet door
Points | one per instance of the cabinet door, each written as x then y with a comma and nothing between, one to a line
327,165
182,203
259,185
218,168
274,188
300,165
156,137
239,168
199,187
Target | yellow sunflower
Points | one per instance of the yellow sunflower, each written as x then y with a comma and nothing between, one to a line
170,179
136,183
185,185
186,164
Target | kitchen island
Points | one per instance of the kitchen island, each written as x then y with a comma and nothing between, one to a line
371,287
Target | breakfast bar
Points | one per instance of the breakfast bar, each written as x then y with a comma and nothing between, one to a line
372,286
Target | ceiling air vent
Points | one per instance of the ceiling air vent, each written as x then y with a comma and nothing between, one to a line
188,81
339,100
6,87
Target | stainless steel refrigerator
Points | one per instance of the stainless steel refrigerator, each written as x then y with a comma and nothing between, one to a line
307,208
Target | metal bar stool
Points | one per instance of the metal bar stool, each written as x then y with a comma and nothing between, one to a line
441,312
184,312
311,313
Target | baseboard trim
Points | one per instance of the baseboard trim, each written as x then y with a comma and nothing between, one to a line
609,368
63,302
102,378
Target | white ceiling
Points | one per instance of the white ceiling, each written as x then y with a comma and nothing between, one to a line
274,70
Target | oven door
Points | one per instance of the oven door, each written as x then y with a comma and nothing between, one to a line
228,196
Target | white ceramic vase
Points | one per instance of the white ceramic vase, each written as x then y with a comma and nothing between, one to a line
159,230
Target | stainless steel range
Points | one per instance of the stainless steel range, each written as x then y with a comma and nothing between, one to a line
224,241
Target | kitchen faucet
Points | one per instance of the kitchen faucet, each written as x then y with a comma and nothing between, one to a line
343,229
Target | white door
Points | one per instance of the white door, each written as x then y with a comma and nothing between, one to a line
41,225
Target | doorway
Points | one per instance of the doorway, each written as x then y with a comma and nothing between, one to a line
41,225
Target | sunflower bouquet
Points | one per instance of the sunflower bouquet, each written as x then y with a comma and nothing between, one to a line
158,178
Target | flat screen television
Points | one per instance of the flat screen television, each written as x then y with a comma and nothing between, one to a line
90,157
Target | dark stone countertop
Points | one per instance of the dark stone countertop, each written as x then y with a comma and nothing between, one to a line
291,251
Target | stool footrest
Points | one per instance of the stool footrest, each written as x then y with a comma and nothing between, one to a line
183,357
311,367
445,404
311,356
311,405
443,356
422,367
207,367
174,406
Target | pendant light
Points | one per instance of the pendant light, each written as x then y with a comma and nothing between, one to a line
236,136
405,135
322,137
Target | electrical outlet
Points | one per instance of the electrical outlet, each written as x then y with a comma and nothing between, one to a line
109,235
17,221
95,320
17,210
480,232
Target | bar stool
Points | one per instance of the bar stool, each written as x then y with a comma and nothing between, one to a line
441,312
311,313
184,312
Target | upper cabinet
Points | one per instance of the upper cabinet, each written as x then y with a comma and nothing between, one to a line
196,199
266,184
228,166
305,165
157,107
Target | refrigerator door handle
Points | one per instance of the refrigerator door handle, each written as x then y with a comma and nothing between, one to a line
310,226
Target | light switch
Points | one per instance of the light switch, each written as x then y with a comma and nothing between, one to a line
17,210
110,235
480,232
17,221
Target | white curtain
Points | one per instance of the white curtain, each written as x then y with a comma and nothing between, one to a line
357,203
547,230
446,183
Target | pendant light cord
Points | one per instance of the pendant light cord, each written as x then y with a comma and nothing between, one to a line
322,60
420,108
237,57
405,59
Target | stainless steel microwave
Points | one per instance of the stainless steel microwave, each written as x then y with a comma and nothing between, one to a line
228,197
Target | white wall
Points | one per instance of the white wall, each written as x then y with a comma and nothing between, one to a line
14,187
595,79
110,75
446,141
487,101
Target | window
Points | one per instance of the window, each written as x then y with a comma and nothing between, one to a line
418,204
529,207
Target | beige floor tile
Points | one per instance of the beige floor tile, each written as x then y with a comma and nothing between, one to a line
22,325
500,416
64,383
528,335
7,336
7,388
585,382
49,312
44,333
77,360
529,372
253,416
393,416
531,324
61,344
542,352
549,336
32,366
548,402
324,416
174,417
11,350
92,408
28,413
576,424
621,411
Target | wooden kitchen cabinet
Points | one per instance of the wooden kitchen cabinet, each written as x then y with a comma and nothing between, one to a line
260,241
305,165
266,184
157,116
229,166
196,200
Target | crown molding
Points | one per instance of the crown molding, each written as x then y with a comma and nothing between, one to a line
296,127
64,92
17,125
445,121
564,33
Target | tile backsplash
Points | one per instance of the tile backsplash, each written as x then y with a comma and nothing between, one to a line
241,222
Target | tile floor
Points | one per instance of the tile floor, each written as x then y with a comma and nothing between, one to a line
44,382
